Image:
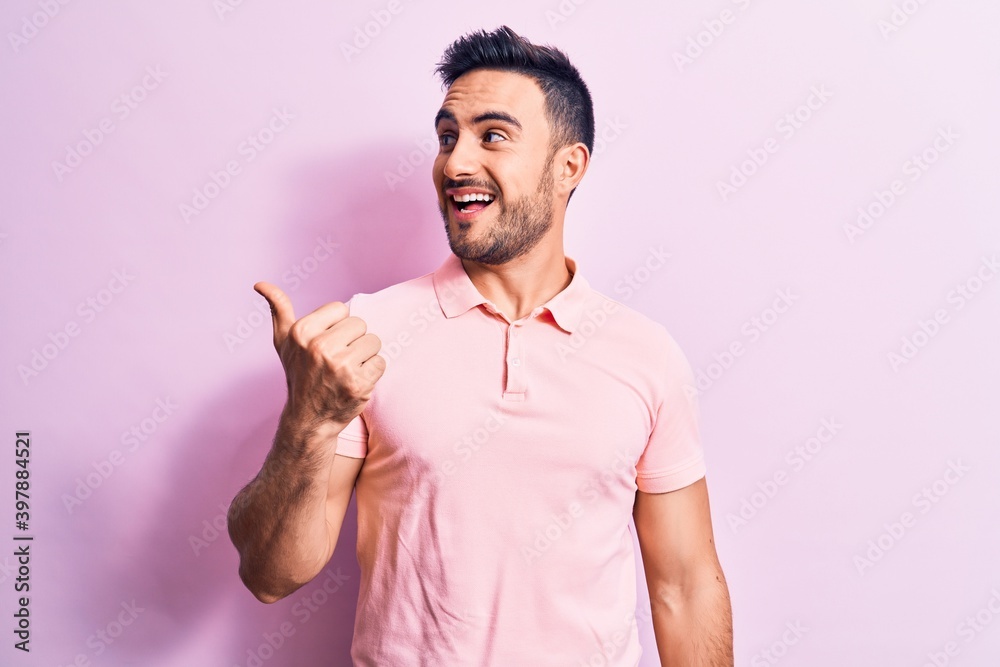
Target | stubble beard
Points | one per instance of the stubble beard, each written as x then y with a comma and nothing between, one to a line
518,228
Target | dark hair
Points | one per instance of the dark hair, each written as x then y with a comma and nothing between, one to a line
567,100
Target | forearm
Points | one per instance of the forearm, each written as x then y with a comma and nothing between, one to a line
278,521
693,622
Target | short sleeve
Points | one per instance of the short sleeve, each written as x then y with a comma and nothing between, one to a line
673,457
353,440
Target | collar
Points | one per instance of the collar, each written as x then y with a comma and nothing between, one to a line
457,295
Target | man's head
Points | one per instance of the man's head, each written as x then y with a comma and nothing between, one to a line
568,105
516,130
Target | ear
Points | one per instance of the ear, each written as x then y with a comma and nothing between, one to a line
569,165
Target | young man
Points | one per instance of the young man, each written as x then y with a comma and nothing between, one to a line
522,421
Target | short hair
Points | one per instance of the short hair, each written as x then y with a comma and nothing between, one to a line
568,104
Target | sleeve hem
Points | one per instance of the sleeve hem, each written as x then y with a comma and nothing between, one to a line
354,448
674,478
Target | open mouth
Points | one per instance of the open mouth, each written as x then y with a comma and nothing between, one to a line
472,203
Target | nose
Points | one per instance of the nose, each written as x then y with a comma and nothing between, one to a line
462,160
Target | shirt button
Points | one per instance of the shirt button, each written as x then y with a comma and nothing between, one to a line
515,361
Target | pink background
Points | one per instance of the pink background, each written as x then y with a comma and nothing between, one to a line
672,131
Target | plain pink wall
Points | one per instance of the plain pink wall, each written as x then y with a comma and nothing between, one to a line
807,112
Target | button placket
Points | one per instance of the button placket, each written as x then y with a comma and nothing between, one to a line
516,381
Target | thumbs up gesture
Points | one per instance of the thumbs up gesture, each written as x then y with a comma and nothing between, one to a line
331,363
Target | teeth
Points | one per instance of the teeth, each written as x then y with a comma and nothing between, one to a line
477,196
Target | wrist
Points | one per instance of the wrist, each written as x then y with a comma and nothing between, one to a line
307,424
307,435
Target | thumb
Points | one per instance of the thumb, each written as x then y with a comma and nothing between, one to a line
282,314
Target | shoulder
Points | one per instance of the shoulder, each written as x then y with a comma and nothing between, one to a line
397,298
627,324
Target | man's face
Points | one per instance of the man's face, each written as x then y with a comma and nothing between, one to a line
495,148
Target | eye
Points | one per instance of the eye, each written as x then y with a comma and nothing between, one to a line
499,137
446,139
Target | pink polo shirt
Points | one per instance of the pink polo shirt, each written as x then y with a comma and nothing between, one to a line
501,465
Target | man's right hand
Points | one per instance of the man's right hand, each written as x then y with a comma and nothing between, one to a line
331,363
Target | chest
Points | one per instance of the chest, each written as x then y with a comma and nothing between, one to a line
486,406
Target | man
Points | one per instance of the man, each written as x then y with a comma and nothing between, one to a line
520,421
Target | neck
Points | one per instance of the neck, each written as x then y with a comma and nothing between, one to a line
521,285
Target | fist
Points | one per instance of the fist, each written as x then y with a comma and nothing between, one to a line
331,363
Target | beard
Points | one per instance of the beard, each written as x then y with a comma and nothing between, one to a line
518,228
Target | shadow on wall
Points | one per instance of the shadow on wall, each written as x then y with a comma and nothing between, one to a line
186,568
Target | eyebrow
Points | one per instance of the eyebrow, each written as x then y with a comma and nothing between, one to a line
445,114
